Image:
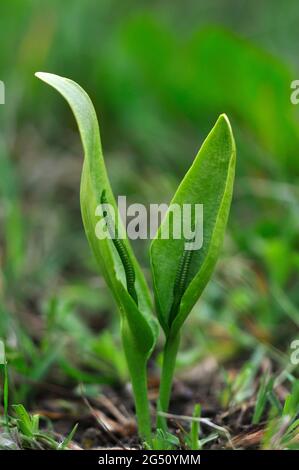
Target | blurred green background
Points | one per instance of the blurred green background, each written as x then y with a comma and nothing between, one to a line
159,74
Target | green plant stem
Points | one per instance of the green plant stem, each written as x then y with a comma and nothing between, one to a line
139,384
5,394
168,366
137,365
195,429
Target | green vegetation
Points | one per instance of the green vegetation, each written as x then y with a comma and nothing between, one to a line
159,75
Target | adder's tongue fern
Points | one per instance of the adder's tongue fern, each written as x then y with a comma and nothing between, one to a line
209,182
139,329
120,248
180,284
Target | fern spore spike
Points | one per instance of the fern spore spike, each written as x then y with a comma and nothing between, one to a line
121,249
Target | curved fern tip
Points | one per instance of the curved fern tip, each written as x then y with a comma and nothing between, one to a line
40,75
223,123
223,118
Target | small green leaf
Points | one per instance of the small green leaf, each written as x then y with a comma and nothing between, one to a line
64,444
209,181
266,386
291,404
25,423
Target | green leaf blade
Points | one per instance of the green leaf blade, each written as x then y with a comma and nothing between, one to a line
93,181
209,181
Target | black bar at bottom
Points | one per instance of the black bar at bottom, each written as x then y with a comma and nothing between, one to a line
133,459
